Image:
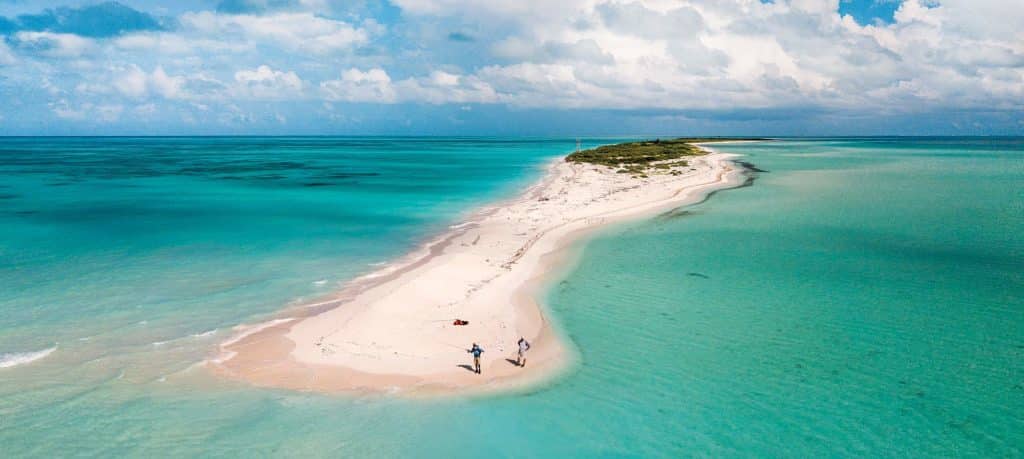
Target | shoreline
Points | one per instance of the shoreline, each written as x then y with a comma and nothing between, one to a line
389,331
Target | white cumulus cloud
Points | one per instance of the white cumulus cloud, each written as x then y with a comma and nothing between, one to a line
6,56
695,54
135,82
355,85
264,82
298,31
676,56
61,45
88,111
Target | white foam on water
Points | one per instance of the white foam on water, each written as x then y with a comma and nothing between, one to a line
224,356
249,330
463,224
378,273
321,303
204,334
244,331
197,365
13,359
320,282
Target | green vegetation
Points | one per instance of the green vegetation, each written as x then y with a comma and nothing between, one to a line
639,158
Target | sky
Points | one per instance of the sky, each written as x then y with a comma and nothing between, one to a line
512,67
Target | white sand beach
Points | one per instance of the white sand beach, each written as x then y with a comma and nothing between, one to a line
392,330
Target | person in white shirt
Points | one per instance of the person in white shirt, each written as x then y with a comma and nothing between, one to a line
523,347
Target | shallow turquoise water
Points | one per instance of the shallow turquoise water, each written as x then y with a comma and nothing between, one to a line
864,297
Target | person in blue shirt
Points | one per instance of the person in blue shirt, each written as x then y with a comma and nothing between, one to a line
476,351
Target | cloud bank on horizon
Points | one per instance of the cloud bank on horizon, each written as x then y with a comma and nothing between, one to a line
524,67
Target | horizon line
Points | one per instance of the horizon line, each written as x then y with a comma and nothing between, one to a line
483,136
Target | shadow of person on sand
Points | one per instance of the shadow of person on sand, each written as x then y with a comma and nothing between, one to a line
512,361
467,367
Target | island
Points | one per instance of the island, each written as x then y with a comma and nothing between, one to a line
407,327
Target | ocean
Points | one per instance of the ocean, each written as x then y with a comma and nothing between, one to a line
861,297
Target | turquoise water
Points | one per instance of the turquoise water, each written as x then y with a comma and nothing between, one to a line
864,297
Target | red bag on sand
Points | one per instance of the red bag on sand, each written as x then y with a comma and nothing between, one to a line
460,322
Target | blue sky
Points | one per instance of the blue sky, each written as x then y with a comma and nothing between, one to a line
530,67
870,11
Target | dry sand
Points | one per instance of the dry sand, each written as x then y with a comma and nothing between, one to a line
391,331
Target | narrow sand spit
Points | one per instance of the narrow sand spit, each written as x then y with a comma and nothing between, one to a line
391,331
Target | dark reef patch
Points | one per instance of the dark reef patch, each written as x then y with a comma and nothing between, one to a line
750,172
677,213
750,166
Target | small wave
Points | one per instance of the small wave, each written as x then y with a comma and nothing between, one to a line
224,356
244,331
204,334
250,330
14,359
382,270
463,224
195,365
320,282
317,304
194,335
374,275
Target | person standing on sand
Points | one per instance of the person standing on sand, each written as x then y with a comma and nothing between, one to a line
476,351
523,347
